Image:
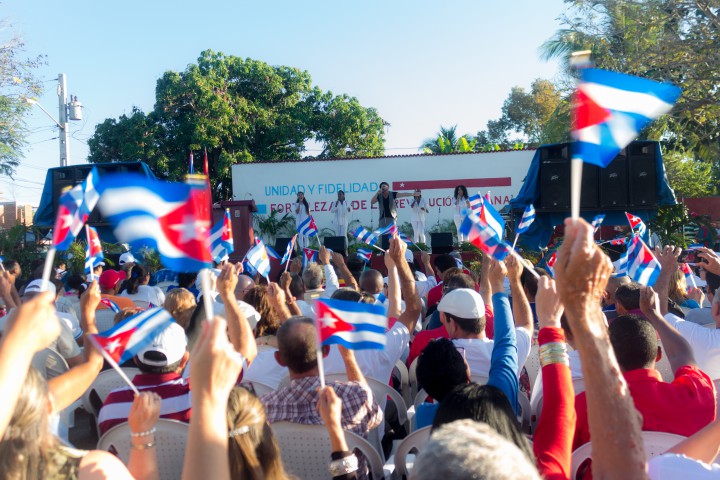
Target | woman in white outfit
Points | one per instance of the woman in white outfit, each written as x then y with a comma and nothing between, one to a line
340,209
460,203
137,288
302,211
419,209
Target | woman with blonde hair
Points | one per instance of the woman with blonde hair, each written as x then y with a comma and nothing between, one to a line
678,291
269,322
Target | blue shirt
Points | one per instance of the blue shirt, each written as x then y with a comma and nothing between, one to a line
504,360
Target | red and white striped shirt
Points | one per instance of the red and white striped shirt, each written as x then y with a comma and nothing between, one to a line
172,388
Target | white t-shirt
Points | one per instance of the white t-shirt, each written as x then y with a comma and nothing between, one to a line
265,369
418,214
71,322
671,466
376,364
340,210
705,343
146,293
301,215
478,351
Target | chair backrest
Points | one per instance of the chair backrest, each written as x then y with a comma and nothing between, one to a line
380,391
105,319
49,363
663,366
655,443
164,285
412,378
143,304
305,450
532,364
103,384
413,442
259,388
170,440
404,376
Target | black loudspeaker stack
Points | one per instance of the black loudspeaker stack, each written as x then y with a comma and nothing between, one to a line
441,242
281,244
68,177
337,244
629,182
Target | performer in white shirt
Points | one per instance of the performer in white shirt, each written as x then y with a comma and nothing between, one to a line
340,210
460,202
419,209
302,211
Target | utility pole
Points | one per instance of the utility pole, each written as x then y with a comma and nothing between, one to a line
64,134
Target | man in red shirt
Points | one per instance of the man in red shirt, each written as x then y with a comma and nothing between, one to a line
442,263
685,405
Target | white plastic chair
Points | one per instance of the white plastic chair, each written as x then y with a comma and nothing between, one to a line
143,304
105,319
164,285
259,388
105,383
655,443
413,443
170,440
412,379
49,363
305,450
532,364
663,366
404,376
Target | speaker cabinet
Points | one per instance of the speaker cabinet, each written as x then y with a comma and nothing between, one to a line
642,160
614,183
441,242
281,244
337,244
555,180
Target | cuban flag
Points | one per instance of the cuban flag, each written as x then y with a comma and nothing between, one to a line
123,341
618,241
221,238
597,221
110,304
610,111
258,258
164,216
387,230
272,253
643,267
492,218
405,238
485,238
74,208
550,263
93,252
289,250
685,268
527,219
308,227
636,223
365,254
309,256
357,326
621,265
365,236
476,202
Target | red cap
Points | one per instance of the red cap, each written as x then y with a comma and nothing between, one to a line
110,278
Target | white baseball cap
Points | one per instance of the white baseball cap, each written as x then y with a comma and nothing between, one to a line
462,303
36,287
127,257
409,256
171,342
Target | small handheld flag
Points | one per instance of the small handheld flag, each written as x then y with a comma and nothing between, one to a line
365,236
597,221
636,223
643,267
288,252
272,253
75,207
405,238
365,254
527,219
476,202
491,217
257,257
688,273
356,326
221,238
309,256
485,238
93,252
387,230
308,228
550,263
110,304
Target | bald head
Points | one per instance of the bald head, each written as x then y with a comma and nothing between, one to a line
612,285
244,284
297,344
371,281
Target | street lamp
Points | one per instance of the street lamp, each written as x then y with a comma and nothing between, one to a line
68,111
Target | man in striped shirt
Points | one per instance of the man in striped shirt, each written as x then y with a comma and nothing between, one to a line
161,364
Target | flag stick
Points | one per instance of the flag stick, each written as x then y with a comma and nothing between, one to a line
517,235
692,278
528,266
112,363
2,266
49,259
576,166
207,297
321,368
382,250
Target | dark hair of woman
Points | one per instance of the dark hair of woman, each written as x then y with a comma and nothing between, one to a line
304,202
136,278
460,192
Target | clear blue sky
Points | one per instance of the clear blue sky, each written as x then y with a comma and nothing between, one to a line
421,64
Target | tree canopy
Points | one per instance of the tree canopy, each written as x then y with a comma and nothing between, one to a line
240,110
17,83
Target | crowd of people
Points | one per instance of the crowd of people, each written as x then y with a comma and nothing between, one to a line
599,339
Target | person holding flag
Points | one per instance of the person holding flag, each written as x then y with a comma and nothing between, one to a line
527,219
419,209
461,202
93,254
302,213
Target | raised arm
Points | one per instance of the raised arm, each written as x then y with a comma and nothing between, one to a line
521,307
413,304
352,369
338,262
710,260
214,370
330,408
331,279
17,348
703,445
278,301
375,198
677,349
143,417
292,306
239,331
552,443
504,358
6,288
486,290
404,194
668,266
582,271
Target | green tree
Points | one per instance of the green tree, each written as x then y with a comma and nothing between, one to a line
239,110
688,177
17,83
677,41
447,141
